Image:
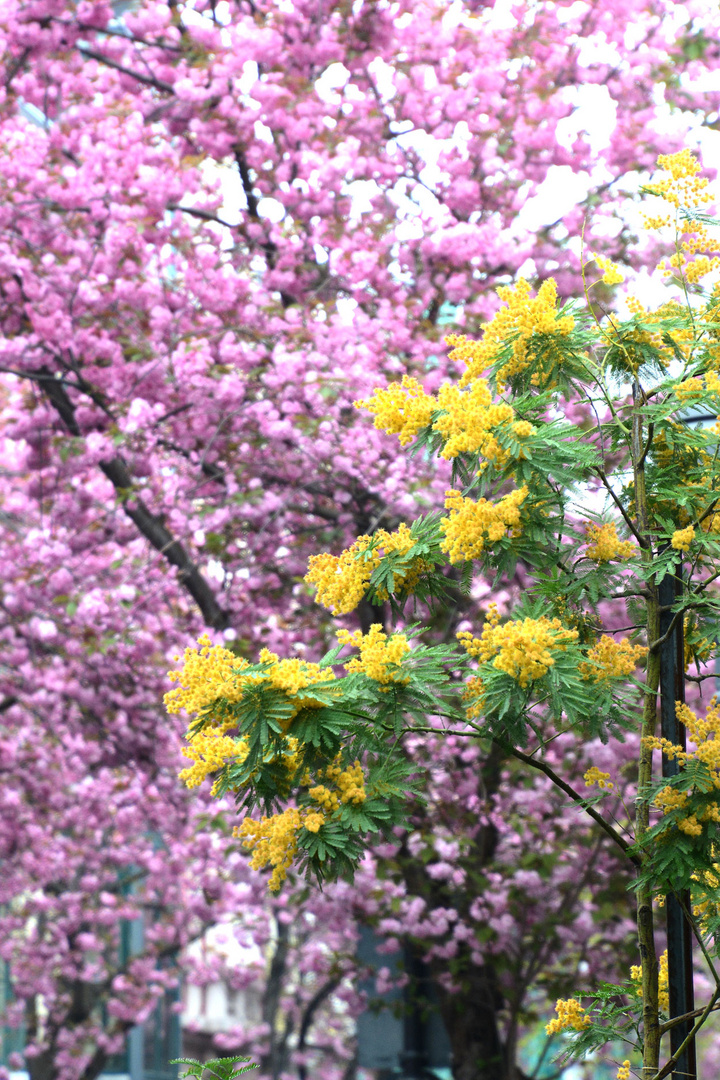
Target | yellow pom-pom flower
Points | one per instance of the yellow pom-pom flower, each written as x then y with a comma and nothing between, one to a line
524,318
209,751
380,656
469,419
523,429
342,581
272,841
314,821
611,272
401,409
570,1014
212,673
471,525
683,187
683,538
688,389
208,673
663,991
595,776
604,543
705,735
522,649
611,659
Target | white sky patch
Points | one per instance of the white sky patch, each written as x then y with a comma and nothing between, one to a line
263,132
334,78
594,502
462,136
222,12
594,115
215,570
191,17
596,49
410,229
572,12
561,187
647,288
382,75
708,140
361,193
234,202
270,208
248,78
34,115
454,15
345,307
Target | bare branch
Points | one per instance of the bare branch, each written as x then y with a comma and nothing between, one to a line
204,215
146,80
578,799
150,525
628,520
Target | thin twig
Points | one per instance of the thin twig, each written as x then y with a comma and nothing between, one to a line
204,215
669,1024
626,517
670,1064
577,798
670,630
146,80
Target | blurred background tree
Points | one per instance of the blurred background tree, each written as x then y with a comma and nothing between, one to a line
220,224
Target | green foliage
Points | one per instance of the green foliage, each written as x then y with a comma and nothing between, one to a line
388,577
610,1010
682,861
219,1068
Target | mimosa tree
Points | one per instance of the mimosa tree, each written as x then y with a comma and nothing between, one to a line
600,512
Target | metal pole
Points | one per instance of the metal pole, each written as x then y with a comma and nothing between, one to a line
679,933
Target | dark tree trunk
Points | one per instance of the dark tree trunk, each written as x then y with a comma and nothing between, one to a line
275,1061
43,1067
470,1018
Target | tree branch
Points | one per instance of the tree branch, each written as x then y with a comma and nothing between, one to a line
150,525
628,520
204,215
308,1015
146,80
576,798
670,1064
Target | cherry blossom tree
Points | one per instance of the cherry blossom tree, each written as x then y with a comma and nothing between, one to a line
110,873
220,224
287,966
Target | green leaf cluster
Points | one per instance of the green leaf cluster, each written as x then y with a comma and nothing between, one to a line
218,1068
